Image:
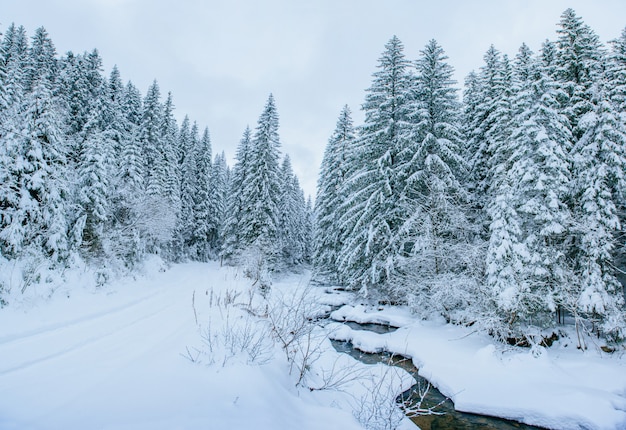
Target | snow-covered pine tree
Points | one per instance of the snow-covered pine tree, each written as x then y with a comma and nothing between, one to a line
38,218
330,184
186,220
4,104
582,69
15,46
539,176
151,140
374,208
130,183
95,169
437,229
42,61
231,238
616,75
81,84
487,117
291,209
169,148
309,230
218,196
580,61
261,189
12,172
131,163
157,219
599,187
205,229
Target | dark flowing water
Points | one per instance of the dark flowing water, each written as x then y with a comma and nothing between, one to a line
450,419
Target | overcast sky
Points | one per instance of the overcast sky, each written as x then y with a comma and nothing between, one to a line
221,59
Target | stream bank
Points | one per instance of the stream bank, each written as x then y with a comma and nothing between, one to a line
450,419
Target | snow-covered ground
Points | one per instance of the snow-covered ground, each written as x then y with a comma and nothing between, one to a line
156,353
192,347
559,387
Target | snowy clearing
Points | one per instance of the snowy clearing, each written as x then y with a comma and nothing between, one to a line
188,348
117,358
559,388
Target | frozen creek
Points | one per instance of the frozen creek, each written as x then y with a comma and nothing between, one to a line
451,419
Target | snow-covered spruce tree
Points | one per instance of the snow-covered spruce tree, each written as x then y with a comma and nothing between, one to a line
218,196
580,61
309,230
114,121
599,169
114,115
435,170
330,184
539,176
291,218
487,122
616,75
4,103
15,47
35,217
156,220
95,169
375,208
128,182
260,192
42,62
205,228
131,161
80,82
231,238
151,140
169,148
187,166
302,222
12,172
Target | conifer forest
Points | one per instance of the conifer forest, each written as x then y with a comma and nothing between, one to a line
499,202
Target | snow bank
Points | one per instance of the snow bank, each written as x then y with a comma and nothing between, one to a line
394,317
561,388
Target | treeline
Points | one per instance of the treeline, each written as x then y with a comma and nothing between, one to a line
91,168
505,210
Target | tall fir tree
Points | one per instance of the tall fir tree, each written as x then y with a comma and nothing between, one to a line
260,191
599,169
35,216
4,103
42,61
435,172
331,182
579,62
218,196
539,175
375,210
151,141
231,239
291,212
205,229
15,46
95,169
169,150
186,219
487,123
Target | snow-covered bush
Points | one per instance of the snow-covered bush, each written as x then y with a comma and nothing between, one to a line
377,408
292,315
